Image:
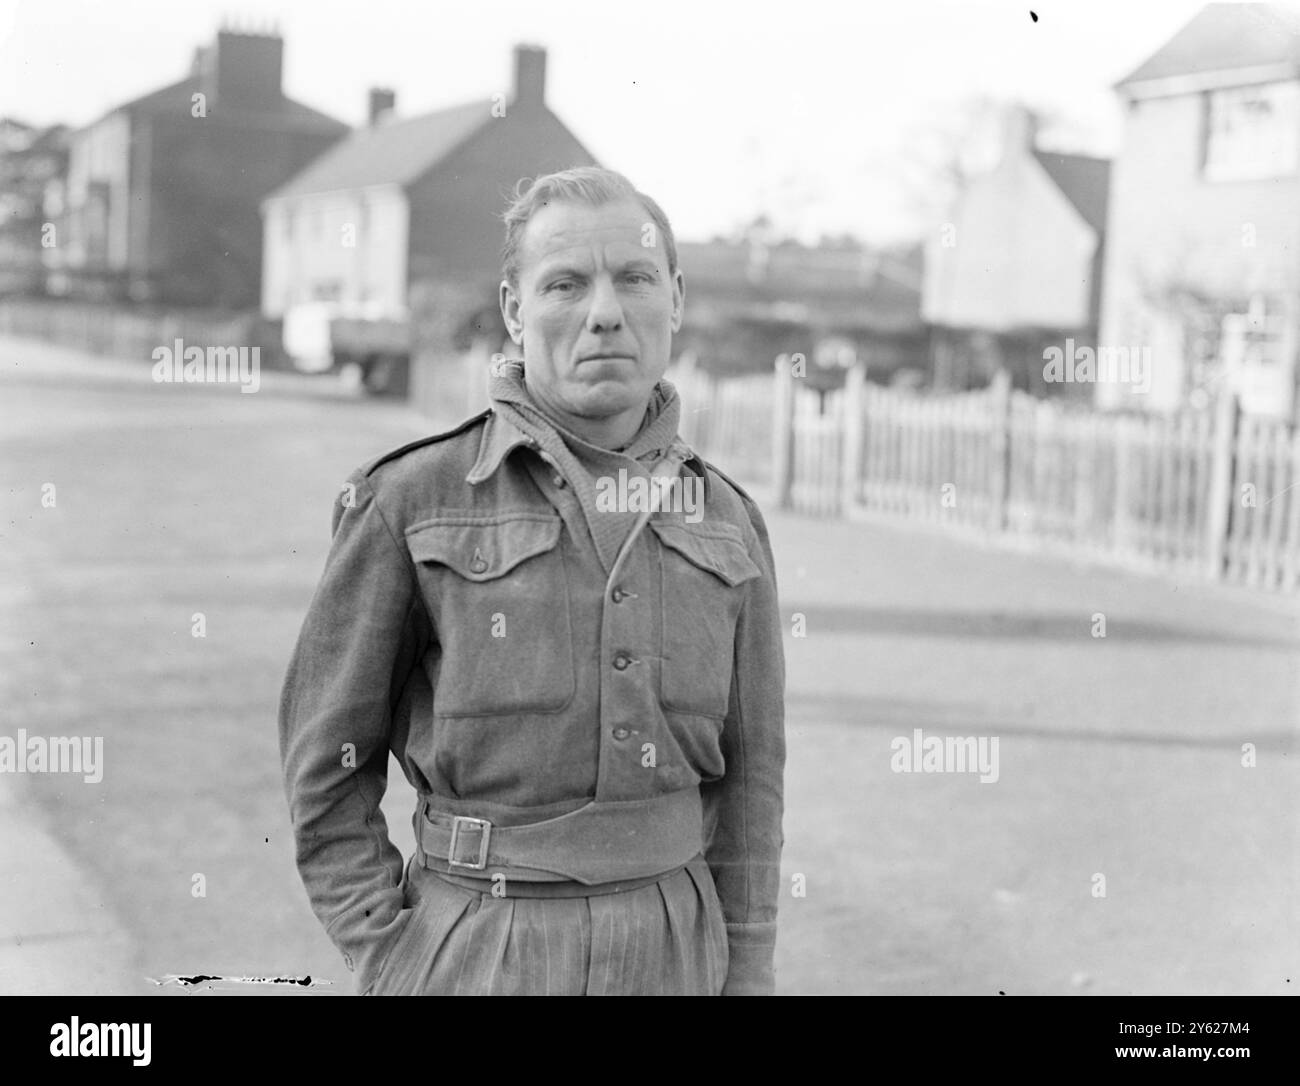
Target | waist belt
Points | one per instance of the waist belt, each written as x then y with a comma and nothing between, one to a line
525,888
602,842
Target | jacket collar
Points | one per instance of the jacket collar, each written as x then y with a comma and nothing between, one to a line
501,437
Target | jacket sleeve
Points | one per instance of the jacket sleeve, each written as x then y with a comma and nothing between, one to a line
359,641
743,809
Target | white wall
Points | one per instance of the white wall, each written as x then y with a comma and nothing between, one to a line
355,241
100,153
1172,235
1020,255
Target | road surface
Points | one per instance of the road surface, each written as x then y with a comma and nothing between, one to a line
1128,844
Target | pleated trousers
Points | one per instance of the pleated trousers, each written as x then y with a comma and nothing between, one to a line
667,938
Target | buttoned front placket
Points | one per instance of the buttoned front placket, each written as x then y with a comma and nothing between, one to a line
629,741
629,747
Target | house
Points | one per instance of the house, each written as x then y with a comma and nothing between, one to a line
407,203
1203,251
1016,270
749,299
32,162
161,198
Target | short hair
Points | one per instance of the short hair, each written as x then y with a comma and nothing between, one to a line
593,185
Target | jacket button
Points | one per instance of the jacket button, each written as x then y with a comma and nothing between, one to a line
478,563
621,661
618,595
558,480
621,733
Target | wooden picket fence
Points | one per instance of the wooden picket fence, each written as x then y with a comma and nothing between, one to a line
1207,493
728,420
1263,542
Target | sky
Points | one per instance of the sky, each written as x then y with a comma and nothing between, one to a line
822,114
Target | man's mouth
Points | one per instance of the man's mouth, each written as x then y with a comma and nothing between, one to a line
612,357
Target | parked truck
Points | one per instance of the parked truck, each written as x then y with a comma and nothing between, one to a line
367,346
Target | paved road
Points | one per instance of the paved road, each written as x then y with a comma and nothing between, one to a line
1118,756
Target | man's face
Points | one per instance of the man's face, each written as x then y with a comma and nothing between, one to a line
595,309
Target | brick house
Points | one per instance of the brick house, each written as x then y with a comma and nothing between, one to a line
1016,269
1203,252
402,204
160,202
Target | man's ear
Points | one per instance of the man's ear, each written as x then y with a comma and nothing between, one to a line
679,299
510,312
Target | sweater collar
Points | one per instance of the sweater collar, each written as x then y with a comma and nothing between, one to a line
501,436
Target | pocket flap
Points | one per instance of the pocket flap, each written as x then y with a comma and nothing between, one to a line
483,550
722,555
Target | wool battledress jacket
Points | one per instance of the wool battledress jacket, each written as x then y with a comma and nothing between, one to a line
464,622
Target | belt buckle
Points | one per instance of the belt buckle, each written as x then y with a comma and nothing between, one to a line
484,827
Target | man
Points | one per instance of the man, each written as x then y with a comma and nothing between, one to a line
587,694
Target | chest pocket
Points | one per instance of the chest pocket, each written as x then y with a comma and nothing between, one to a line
704,570
497,592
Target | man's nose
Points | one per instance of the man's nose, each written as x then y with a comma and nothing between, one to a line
605,314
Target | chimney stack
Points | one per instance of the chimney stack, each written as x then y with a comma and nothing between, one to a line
1019,129
244,68
383,100
530,75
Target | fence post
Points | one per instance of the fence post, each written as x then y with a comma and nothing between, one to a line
1122,520
1000,465
478,364
1222,449
851,469
783,432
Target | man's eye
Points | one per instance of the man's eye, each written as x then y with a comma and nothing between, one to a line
563,286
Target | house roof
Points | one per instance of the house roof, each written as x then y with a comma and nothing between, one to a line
863,289
173,96
177,97
21,138
395,152
1084,180
1225,37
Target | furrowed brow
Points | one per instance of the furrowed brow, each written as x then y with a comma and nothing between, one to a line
562,268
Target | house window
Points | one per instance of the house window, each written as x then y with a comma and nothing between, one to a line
1254,339
1258,357
1252,132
